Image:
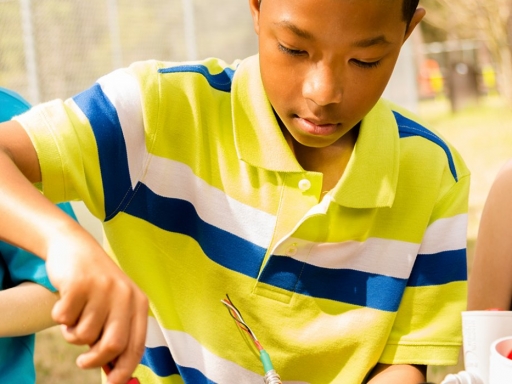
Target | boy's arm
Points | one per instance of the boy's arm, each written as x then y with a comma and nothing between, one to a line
113,324
392,374
490,285
26,309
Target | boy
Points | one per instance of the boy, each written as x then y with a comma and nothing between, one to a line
334,222
26,294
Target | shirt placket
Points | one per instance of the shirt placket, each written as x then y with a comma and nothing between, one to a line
299,202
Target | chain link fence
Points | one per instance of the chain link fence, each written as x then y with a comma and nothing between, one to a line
56,48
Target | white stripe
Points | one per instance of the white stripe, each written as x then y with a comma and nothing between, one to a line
173,179
122,89
445,235
380,256
188,352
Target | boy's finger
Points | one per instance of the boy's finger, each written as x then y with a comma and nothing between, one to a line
120,331
128,361
112,343
68,308
89,326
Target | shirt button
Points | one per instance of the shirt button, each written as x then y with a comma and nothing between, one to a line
292,250
304,185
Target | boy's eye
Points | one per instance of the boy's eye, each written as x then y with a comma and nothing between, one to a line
365,64
289,51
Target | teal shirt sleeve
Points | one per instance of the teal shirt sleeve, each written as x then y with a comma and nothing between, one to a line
11,104
20,265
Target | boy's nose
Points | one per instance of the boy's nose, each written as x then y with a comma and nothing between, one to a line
323,85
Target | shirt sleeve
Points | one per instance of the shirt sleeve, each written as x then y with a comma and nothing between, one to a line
92,146
23,266
427,329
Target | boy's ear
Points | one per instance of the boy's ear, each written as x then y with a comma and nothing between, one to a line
254,5
416,18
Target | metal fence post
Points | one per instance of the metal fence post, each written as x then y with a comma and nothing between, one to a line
189,29
30,51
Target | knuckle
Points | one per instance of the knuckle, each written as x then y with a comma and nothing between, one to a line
70,338
103,282
115,345
124,288
143,300
62,314
86,336
61,318
72,335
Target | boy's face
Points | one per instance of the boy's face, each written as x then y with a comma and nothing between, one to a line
325,63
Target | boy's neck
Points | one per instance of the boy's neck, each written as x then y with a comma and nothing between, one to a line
331,160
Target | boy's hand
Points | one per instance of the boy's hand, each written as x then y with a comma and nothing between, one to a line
99,306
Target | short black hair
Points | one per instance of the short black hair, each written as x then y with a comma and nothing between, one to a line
408,9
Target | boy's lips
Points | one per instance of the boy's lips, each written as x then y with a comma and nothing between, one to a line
317,127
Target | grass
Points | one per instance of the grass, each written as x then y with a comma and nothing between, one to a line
481,133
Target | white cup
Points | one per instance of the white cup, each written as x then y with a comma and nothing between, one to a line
500,366
479,330
463,377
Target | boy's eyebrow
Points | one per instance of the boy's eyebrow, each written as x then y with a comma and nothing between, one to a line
292,27
365,43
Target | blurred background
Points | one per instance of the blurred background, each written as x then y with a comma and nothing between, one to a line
455,71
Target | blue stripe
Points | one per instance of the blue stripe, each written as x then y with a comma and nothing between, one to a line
343,285
180,216
161,362
408,128
194,376
221,81
427,271
113,158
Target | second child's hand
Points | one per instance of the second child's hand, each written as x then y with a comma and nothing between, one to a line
99,305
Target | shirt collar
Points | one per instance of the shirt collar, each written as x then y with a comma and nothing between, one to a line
372,172
371,175
258,138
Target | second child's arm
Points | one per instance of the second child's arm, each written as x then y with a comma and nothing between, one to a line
99,305
490,285
25,309
403,374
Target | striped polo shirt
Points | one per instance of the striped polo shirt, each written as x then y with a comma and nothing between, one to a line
200,196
